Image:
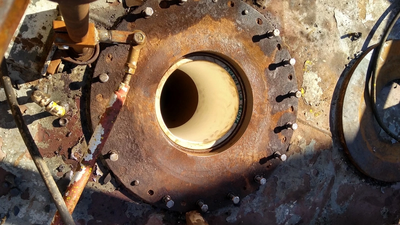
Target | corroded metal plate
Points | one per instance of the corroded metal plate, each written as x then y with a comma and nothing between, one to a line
149,164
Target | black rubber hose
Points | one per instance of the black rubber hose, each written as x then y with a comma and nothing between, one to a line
32,148
374,71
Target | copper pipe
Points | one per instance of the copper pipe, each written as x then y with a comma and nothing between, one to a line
76,18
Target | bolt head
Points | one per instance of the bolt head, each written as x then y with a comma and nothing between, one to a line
169,204
292,61
148,11
135,183
235,199
283,157
298,94
104,78
261,180
276,32
139,37
204,208
295,126
245,12
113,156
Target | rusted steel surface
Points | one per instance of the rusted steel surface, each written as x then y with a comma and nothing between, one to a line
11,12
96,143
149,165
76,17
370,149
101,132
116,36
62,37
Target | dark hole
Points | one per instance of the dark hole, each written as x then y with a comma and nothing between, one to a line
179,99
164,4
150,192
290,77
259,21
279,46
291,108
231,4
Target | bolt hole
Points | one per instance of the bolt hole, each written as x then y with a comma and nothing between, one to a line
279,46
231,4
259,21
150,192
164,4
290,77
283,139
291,108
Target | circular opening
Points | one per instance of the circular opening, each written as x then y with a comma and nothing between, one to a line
200,103
279,46
259,21
231,4
150,192
290,77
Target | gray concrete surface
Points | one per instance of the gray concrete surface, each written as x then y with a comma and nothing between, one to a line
316,185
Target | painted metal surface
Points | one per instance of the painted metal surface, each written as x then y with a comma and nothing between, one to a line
146,155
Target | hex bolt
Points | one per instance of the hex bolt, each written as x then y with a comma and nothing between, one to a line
274,33
296,94
168,201
139,37
104,78
290,61
113,156
147,12
282,157
235,199
135,183
292,126
259,179
245,12
202,206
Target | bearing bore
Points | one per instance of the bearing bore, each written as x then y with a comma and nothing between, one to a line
199,102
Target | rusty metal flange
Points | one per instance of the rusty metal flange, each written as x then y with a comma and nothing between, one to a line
371,150
149,164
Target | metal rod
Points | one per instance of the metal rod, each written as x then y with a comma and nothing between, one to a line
76,18
32,148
